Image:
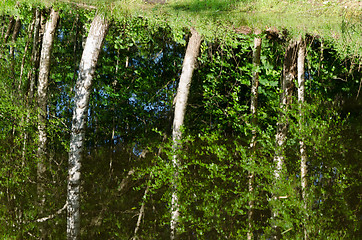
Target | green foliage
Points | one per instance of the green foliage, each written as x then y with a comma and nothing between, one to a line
17,161
128,137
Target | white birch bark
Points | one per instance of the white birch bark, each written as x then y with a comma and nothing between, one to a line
289,74
97,33
44,67
141,213
188,66
253,110
302,146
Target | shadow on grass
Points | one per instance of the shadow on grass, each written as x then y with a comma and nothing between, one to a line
206,5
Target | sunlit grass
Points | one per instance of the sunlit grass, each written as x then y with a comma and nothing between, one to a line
335,20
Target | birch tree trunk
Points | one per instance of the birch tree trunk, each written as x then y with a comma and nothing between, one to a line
30,32
97,33
12,46
32,75
10,27
289,74
254,120
302,147
15,35
34,55
44,67
188,66
141,212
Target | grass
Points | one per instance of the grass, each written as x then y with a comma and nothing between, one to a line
337,21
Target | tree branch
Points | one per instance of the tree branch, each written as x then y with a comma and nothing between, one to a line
52,215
